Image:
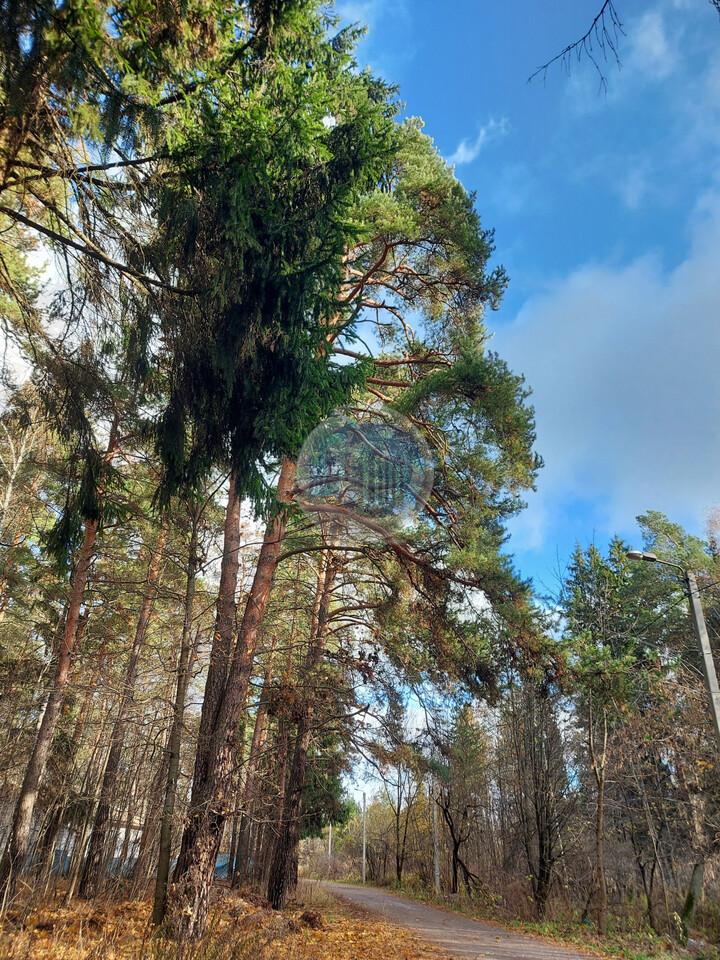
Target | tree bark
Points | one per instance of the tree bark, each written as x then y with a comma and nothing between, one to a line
237,869
693,896
5,586
143,868
163,870
599,765
219,656
91,879
212,783
265,836
457,838
436,837
16,847
88,795
280,879
46,846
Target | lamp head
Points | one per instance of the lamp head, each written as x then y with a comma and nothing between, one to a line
641,555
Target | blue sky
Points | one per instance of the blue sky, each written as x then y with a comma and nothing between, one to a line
606,207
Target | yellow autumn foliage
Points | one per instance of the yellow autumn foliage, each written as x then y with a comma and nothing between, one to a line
239,930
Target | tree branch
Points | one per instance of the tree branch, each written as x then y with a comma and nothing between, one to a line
601,38
93,253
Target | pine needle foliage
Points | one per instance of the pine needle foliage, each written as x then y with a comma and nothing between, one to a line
258,220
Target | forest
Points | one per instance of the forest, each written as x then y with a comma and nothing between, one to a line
216,231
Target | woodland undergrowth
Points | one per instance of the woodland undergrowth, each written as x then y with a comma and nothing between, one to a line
627,936
243,927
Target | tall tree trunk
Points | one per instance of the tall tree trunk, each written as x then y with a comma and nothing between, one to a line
82,821
220,655
91,880
46,846
233,861
5,586
152,815
399,846
693,896
599,761
265,836
153,799
16,847
280,877
436,837
250,789
13,465
163,870
17,843
281,779
136,765
212,790
455,866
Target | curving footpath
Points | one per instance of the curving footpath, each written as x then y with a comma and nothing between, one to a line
460,936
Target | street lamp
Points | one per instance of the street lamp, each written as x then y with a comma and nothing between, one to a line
711,681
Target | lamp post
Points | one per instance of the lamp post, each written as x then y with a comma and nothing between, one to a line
706,657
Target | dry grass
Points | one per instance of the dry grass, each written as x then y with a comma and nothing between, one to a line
629,940
321,928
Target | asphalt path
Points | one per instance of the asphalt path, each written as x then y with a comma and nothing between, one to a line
460,936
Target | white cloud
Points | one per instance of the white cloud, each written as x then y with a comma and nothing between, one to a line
712,82
467,151
634,177
634,187
624,364
650,49
360,11
651,52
